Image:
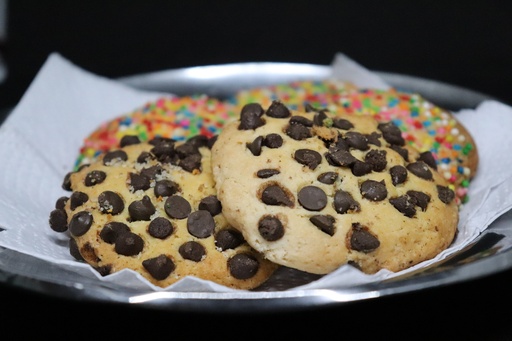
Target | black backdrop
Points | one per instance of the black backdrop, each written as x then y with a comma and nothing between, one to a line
467,43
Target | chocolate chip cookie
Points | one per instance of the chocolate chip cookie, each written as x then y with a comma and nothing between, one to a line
152,208
313,191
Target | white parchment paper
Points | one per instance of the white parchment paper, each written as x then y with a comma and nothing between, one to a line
40,140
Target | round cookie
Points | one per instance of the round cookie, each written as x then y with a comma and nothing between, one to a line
152,207
173,117
313,191
424,125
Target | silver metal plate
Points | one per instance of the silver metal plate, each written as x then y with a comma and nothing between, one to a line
489,254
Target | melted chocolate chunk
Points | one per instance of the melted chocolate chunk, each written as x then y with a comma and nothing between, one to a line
422,199
160,228
278,110
429,159
110,203
356,140
255,146
344,202
177,207
200,224
312,198
114,156
243,266
228,239
128,140
80,223
271,228
128,244
308,157
398,174
328,178
141,209
77,199
445,194
276,196
138,182
250,116
58,220
111,230
376,158
360,168
298,132
211,204
342,123
267,173
159,267
362,240
273,141
420,169
324,222
405,204
94,177
341,158
374,190
391,133
192,250
165,188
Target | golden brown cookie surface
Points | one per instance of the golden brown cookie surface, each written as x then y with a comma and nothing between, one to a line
314,191
153,208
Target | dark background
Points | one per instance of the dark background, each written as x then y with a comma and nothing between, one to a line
467,43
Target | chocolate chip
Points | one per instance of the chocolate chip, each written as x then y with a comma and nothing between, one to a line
360,168
308,157
267,173
164,151
324,222
298,132
276,196
191,163
422,199
74,251
228,238
278,110
177,207
310,108
159,267
138,182
391,133
66,182
111,230
445,194
344,202
211,204
88,253
141,209
273,141
61,202
319,118
211,141
80,223
159,139
58,220
342,123
104,270
340,157
429,159
128,244
114,156
270,228
404,153
301,120
250,116
128,140
420,169
200,224
77,199
328,178
186,149
362,240
165,188
94,177
373,138
192,250
243,266
374,190
151,172
255,146
405,204
376,158
160,228
110,203
144,157
312,198
356,140
198,141
398,174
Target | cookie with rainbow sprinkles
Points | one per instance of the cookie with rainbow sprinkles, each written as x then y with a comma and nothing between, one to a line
424,125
